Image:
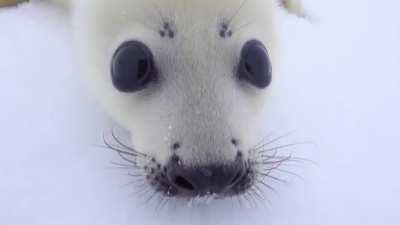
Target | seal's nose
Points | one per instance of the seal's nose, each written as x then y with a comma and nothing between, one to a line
207,179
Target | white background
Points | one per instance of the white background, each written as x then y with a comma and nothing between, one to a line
338,86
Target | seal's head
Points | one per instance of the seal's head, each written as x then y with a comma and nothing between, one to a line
188,79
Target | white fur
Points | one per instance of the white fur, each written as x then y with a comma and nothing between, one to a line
295,7
198,101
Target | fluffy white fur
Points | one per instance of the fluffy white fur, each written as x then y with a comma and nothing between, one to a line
198,102
294,6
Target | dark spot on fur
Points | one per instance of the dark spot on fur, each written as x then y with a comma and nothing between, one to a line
166,26
222,33
234,141
167,31
225,31
171,34
176,146
175,158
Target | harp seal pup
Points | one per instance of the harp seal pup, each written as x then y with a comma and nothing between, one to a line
188,79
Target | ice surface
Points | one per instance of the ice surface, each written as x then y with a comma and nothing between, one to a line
338,86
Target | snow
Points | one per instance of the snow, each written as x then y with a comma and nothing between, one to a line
338,87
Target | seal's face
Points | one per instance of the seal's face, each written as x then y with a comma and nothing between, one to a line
189,80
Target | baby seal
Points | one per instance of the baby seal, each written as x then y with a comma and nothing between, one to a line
188,79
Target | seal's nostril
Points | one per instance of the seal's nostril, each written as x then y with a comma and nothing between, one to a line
201,180
183,183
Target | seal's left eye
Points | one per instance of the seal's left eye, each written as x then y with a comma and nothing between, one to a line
132,67
255,65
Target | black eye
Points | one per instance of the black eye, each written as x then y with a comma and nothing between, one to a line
255,65
132,67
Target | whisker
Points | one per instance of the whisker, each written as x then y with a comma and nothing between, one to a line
119,141
269,187
121,154
262,193
273,140
278,161
135,175
118,168
287,162
261,141
165,204
240,29
266,156
160,201
259,189
251,198
142,193
268,175
300,161
158,11
142,189
125,166
275,166
245,196
257,194
116,139
126,159
283,146
109,146
237,11
254,196
120,164
129,183
151,197
239,200
289,173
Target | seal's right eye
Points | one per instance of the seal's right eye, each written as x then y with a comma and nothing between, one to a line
132,67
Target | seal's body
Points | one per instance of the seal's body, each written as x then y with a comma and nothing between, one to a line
188,79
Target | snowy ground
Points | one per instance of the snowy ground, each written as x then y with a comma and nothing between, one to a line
339,87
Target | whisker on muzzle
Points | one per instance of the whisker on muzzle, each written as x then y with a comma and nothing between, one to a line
273,164
267,166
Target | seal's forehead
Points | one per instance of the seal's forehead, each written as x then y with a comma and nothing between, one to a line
185,14
208,35
141,7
